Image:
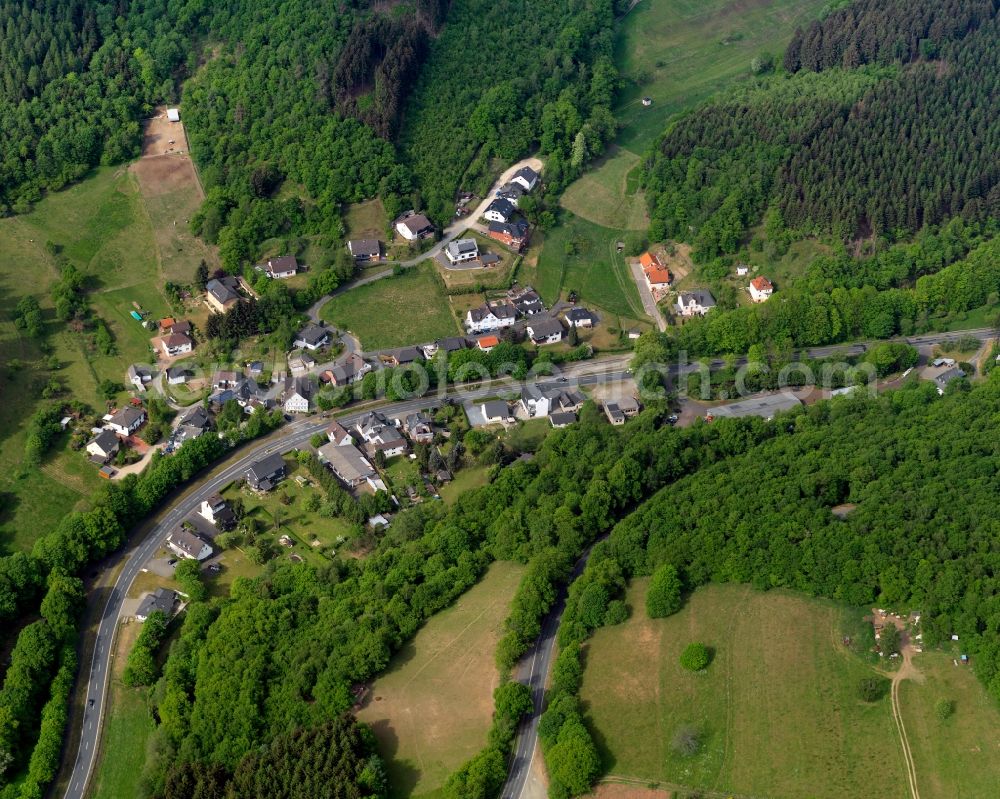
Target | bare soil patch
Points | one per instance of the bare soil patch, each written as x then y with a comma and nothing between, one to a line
158,132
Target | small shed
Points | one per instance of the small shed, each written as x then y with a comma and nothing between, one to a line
173,114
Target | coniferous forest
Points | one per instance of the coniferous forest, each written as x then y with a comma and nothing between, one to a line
907,141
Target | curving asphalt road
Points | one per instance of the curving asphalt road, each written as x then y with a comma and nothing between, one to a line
295,435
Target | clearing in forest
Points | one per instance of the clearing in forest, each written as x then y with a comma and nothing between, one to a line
776,713
432,708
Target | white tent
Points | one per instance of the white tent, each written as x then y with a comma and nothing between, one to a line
174,114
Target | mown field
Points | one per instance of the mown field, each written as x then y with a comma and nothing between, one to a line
958,756
677,52
431,709
776,713
410,308
581,256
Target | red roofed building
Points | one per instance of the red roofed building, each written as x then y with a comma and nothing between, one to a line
486,343
760,289
658,277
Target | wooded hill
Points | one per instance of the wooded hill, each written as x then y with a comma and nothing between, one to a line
292,107
909,141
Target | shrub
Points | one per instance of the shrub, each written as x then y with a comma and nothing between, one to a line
617,612
944,709
695,657
871,689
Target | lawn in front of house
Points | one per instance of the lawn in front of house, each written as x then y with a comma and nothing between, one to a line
408,308
431,709
776,713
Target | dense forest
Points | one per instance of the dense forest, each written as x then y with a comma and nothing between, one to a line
909,141
922,472
503,78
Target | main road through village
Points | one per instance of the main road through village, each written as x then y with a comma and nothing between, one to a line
533,668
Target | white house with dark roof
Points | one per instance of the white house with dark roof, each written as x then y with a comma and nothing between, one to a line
526,177
217,511
500,210
159,601
496,411
545,331
364,250
462,250
414,226
580,317
103,446
185,544
312,337
695,303
281,268
176,344
127,420
491,316
297,396
139,376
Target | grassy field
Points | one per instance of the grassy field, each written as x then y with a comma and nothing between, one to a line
959,756
581,256
409,308
465,480
604,196
127,727
365,220
432,708
776,712
677,52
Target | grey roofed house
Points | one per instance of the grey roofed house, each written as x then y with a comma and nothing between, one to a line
139,375
225,378
526,175
451,344
500,207
417,225
177,373
562,418
196,417
946,377
106,441
496,409
312,336
188,545
614,413
127,417
405,355
764,406
364,249
347,463
699,297
580,316
162,600
266,473
223,289
462,249
545,328
503,310
489,258
282,264
511,191
526,300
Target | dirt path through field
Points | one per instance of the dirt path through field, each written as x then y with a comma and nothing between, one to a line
907,671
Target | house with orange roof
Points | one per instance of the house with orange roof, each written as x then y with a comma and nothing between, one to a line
487,343
760,289
658,277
